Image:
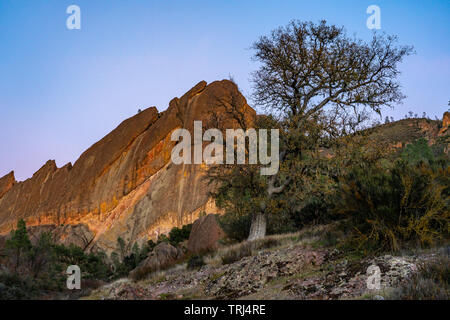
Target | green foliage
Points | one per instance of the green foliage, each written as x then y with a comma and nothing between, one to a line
315,210
162,238
177,235
19,238
31,270
405,203
124,263
419,151
18,246
235,226
151,245
14,287
123,266
93,266
283,221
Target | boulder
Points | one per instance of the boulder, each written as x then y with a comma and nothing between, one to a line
163,256
205,234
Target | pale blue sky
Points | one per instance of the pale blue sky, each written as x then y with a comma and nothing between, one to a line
62,90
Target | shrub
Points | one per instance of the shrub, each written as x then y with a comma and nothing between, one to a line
177,235
130,261
431,282
151,245
33,270
330,238
93,265
15,287
389,207
419,151
163,238
235,226
195,262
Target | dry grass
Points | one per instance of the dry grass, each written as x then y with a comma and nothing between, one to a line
431,282
236,252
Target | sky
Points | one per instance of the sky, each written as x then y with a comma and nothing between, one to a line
62,90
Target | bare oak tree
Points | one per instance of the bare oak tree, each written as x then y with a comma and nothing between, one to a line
320,83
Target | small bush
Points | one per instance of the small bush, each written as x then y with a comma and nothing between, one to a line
129,262
14,287
431,282
177,235
235,226
195,262
330,238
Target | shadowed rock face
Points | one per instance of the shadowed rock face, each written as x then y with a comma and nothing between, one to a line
124,185
163,256
205,235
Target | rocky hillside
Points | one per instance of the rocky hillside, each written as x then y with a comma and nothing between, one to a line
400,133
293,266
125,184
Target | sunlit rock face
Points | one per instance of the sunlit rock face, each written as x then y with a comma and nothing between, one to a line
445,124
124,185
6,183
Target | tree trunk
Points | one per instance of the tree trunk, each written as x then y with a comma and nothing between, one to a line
258,227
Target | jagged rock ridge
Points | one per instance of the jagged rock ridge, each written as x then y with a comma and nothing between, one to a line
124,185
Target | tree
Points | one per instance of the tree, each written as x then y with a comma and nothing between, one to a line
418,151
177,235
19,245
42,255
320,84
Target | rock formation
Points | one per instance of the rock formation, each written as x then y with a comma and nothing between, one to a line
204,235
125,184
6,183
445,124
163,256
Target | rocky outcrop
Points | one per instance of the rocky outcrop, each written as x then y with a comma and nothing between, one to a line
204,235
125,185
6,183
250,274
294,272
163,256
445,124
